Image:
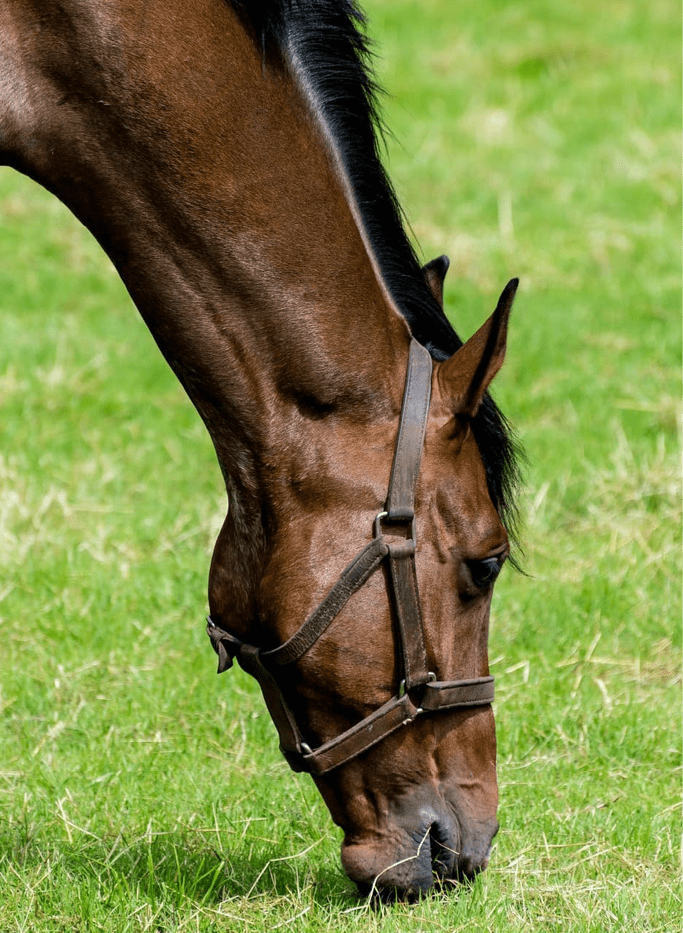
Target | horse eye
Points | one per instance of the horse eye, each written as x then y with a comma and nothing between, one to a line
484,572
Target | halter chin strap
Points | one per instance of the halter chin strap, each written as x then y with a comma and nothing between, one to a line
393,542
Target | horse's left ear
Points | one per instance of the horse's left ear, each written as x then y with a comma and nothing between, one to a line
465,377
434,274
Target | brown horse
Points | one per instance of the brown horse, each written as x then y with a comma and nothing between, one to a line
224,154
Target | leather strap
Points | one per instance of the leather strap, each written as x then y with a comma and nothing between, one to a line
223,643
408,613
447,695
395,713
400,507
352,578
290,737
411,433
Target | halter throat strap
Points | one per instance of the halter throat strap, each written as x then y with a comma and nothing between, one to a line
394,542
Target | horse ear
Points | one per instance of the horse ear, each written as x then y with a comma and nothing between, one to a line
465,377
434,274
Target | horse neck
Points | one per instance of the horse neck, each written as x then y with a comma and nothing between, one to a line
204,177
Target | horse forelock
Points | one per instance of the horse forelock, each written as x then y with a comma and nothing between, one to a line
324,40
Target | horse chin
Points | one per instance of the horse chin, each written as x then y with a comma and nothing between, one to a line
404,879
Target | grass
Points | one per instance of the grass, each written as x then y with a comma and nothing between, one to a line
138,791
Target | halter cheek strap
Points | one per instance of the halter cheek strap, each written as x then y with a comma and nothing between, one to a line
394,543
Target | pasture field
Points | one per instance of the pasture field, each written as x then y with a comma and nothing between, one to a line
138,791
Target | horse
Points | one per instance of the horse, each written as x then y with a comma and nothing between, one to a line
226,156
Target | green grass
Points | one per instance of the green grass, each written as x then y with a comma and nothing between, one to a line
140,792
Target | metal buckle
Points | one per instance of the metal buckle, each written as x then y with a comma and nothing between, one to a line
431,678
408,525
377,525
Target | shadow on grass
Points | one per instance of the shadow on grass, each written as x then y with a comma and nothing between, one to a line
176,869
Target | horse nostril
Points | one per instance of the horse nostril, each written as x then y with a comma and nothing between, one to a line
444,851
471,863
455,858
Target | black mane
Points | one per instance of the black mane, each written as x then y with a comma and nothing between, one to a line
327,39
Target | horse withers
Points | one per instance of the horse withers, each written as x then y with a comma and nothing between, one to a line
224,154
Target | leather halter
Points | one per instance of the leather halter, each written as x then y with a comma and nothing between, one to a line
393,542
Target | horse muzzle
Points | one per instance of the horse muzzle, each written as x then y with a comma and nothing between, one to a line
404,863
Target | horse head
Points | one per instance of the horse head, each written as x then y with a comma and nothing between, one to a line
384,692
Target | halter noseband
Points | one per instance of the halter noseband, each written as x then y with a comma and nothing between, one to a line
393,541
